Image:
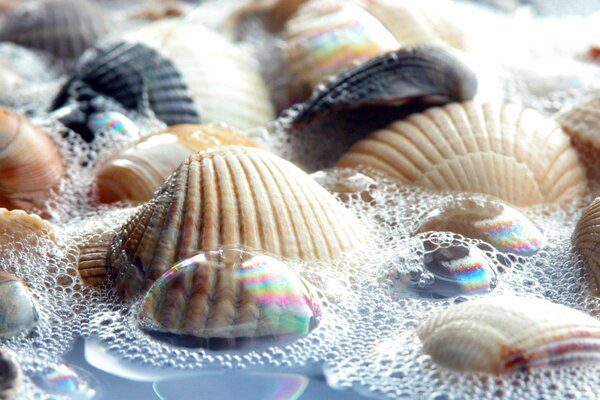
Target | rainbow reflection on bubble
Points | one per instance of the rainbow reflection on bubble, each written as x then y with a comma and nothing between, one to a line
488,220
230,294
114,121
64,381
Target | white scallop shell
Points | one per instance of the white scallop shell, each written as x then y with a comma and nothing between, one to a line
505,151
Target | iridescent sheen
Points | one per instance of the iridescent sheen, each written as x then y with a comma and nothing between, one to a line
229,298
64,381
114,121
485,219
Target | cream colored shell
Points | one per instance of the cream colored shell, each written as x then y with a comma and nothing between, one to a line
505,151
586,239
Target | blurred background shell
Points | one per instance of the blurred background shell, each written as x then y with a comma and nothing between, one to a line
226,196
506,151
31,165
137,172
230,298
586,239
63,28
509,334
224,79
11,376
327,37
582,123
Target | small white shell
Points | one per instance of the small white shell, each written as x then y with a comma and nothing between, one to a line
505,151
500,335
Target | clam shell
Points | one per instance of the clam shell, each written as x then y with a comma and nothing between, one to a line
486,219
423,22
585,239
582,123
136,173
227,196
224,80
11,376
62,28
229,299
17,225
423,73
30,162
18,310
135,76
326,38
508,334
506,151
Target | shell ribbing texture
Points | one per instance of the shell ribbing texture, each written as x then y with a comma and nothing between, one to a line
223,79
505,151
586,239
63,28
233,196
582,122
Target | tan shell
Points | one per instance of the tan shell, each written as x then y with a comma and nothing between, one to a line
328,37
136,173
509,334
582,123
30,163
274,13
18,223
586,239
505,151
227,196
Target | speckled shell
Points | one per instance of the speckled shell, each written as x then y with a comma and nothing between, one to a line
586,239
422,22
63,28
223,79
136,173
227,196
505,151
328,37
582,123
508,334
135,76
30,162
11,376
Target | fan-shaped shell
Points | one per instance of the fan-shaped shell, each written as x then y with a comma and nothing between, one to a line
30,162
328,37
223,79
18,310
582,123
229,298
226,196
63,28
136,173
500,335
11,376
505,151
17,225
134,75
586,239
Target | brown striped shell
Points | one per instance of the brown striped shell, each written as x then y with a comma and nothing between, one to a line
30,162
510,334
63,28
586,239
227,196
139,171
505,151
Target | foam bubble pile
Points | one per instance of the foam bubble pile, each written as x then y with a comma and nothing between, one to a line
420,220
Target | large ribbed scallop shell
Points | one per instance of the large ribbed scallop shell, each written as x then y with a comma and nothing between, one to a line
501,335
136,173
30,162
64,28
224,80
328,37
586,239
11,377
506,151
135,76
227,196
417,22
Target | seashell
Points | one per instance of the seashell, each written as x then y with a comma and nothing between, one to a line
582,123
226,196
19,224
274,13
482,148
229,298
424,73
449,270
489,220
62,28
423,22
510,334
223,79
30,162
326,38
18,310
136,173
154,12
135,76
585,238
11,376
